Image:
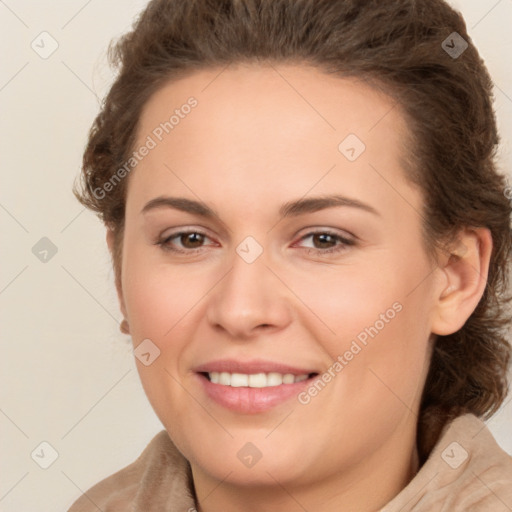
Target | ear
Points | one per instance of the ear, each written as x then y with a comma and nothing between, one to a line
463,278
111,247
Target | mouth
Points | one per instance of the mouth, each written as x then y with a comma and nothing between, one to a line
255,380
251,388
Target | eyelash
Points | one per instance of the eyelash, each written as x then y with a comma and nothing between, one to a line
345,242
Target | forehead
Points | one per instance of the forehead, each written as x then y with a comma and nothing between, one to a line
288,127
301,98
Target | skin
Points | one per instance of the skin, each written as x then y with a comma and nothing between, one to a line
261,136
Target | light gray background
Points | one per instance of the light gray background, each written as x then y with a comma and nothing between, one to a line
68,374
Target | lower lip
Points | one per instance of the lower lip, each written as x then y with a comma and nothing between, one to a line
251,400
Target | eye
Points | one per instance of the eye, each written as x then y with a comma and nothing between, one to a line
193,241
184,241
327,242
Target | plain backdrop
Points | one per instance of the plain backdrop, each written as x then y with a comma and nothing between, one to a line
68,375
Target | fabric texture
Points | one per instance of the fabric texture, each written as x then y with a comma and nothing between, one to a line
466,472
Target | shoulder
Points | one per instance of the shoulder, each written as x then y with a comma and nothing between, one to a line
158,478
484,477
466,471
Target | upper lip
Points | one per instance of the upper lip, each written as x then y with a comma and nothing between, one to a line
250,367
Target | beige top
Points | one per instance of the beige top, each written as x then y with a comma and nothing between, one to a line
466,471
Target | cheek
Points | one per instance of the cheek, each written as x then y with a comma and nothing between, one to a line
391,367
160,302
348,298
378,318
159,296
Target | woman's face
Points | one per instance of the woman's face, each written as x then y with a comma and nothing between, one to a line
304,260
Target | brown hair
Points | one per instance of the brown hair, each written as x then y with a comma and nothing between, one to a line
398,46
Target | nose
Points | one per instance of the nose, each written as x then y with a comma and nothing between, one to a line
249,300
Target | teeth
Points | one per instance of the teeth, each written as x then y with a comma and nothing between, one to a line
254,380
274,379
239,380
288,378
225,379
257,380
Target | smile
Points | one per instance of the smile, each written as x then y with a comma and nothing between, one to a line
255,380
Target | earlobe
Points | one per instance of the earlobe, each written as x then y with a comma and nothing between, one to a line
124,327
464,277
110,237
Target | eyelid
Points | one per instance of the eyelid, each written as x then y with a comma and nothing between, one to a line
163,240
342,243
345,240
183,230
313,230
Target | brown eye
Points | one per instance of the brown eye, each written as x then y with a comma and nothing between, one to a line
191,240
184,242
323,240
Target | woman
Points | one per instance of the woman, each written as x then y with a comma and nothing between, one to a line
311,245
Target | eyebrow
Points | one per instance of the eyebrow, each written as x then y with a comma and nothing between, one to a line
288,209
